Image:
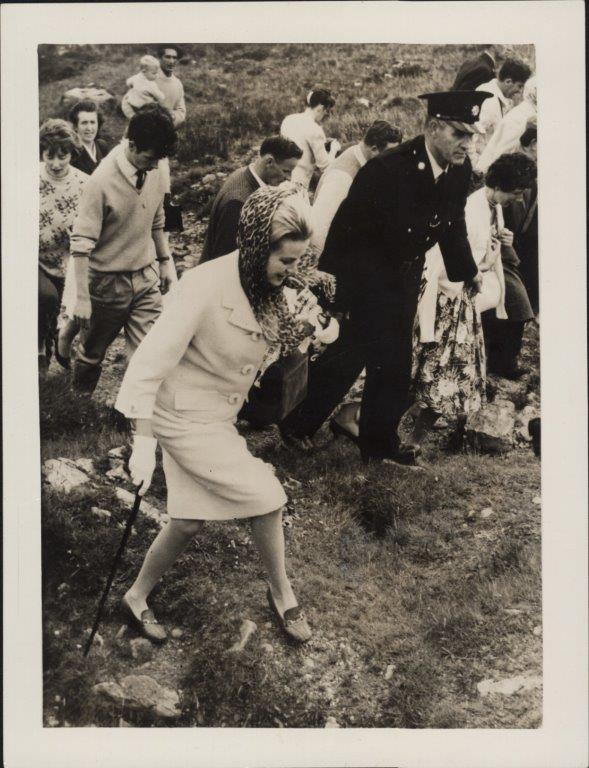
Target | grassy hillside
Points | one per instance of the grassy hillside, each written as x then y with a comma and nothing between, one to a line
414,595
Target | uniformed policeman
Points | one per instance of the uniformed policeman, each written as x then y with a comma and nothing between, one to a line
399,205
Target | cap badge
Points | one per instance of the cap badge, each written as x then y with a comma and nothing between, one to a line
421,166
475,110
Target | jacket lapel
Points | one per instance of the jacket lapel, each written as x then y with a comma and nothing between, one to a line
235,300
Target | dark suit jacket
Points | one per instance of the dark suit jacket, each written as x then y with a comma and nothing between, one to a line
393,214
474,72
522,220
221,237
83,162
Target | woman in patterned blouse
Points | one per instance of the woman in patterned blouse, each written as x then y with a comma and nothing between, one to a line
60,189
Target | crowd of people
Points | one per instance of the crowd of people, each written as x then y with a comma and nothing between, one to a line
410,275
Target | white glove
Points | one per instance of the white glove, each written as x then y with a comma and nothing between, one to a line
142,462
328,334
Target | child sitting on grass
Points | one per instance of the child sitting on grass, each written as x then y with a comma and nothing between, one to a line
143,89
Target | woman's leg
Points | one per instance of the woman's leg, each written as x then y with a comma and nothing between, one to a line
48,308
165,549
268,536
348,417
67,333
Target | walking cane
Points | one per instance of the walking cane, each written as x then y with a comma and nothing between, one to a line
114,567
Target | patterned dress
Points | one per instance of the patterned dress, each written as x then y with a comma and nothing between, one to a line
449,373
58,206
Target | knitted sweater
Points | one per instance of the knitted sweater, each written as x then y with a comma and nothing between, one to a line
58,205
221,237
173,91
115,220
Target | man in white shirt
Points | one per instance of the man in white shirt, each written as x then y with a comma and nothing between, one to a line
509,82
335,183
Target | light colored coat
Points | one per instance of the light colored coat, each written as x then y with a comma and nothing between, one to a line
204,351
191,375
310,137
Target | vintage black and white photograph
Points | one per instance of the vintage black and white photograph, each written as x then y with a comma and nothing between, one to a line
289,383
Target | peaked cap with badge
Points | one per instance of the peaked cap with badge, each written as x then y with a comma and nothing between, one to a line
459,108
395,211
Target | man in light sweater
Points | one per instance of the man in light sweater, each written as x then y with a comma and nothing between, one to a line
117,239
336,181
275,163
169,84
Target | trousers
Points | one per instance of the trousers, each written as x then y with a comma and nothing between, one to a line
129,301
50,293
377,335
503,342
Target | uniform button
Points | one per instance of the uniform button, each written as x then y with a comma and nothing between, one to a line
247,369
409,229
234,398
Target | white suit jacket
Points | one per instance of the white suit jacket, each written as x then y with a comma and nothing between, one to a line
478,226
203,352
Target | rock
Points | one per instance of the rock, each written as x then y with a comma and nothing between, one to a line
522,421
110,691
363,102
221,175
388,76
537,500
209,178
331,722
86,465
538,631
103,514
99,95
389,672
470,516
63,474
52,721
176,633
146,509
267,648
118,473
490,430
308,663
141,649
509,686
487,512
97,640
143,693
246,630
358,84
118,453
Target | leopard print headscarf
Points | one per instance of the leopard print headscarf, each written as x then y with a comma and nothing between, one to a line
278,325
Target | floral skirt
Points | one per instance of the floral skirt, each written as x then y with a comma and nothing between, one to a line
449,374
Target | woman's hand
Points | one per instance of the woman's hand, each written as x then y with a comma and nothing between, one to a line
83,311
142,462
506,237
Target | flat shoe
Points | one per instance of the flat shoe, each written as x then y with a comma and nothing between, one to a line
63,361
338,431
293,623
147,625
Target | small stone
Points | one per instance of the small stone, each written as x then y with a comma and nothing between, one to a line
246,630
147,510
490,429
308,663
537,500
388,76
63,589
63,474
176,633
118,473
118,453
358,84
52,721
103,514
57,697
363,102
209,178
487,512
538,631
331,722
509,686
141,692
389,672
141,649
470,516
513,611
267,648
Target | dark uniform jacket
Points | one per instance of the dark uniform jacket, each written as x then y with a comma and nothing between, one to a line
221,237
393,214
83,162
474,72
522,220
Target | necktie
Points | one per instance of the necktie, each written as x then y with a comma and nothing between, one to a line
140,179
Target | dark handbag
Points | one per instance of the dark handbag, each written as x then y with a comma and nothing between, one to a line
282,387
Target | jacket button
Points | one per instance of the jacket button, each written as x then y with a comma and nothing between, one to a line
409,229
256,336
234,398
247,369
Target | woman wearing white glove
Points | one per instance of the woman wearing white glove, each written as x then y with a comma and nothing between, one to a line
187,382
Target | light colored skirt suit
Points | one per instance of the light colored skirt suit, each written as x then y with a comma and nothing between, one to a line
190,376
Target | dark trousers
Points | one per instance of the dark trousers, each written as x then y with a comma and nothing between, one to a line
503,342
50,293
120,300
377,336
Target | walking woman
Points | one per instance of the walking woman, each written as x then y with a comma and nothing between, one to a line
60,189
188,380
449,369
